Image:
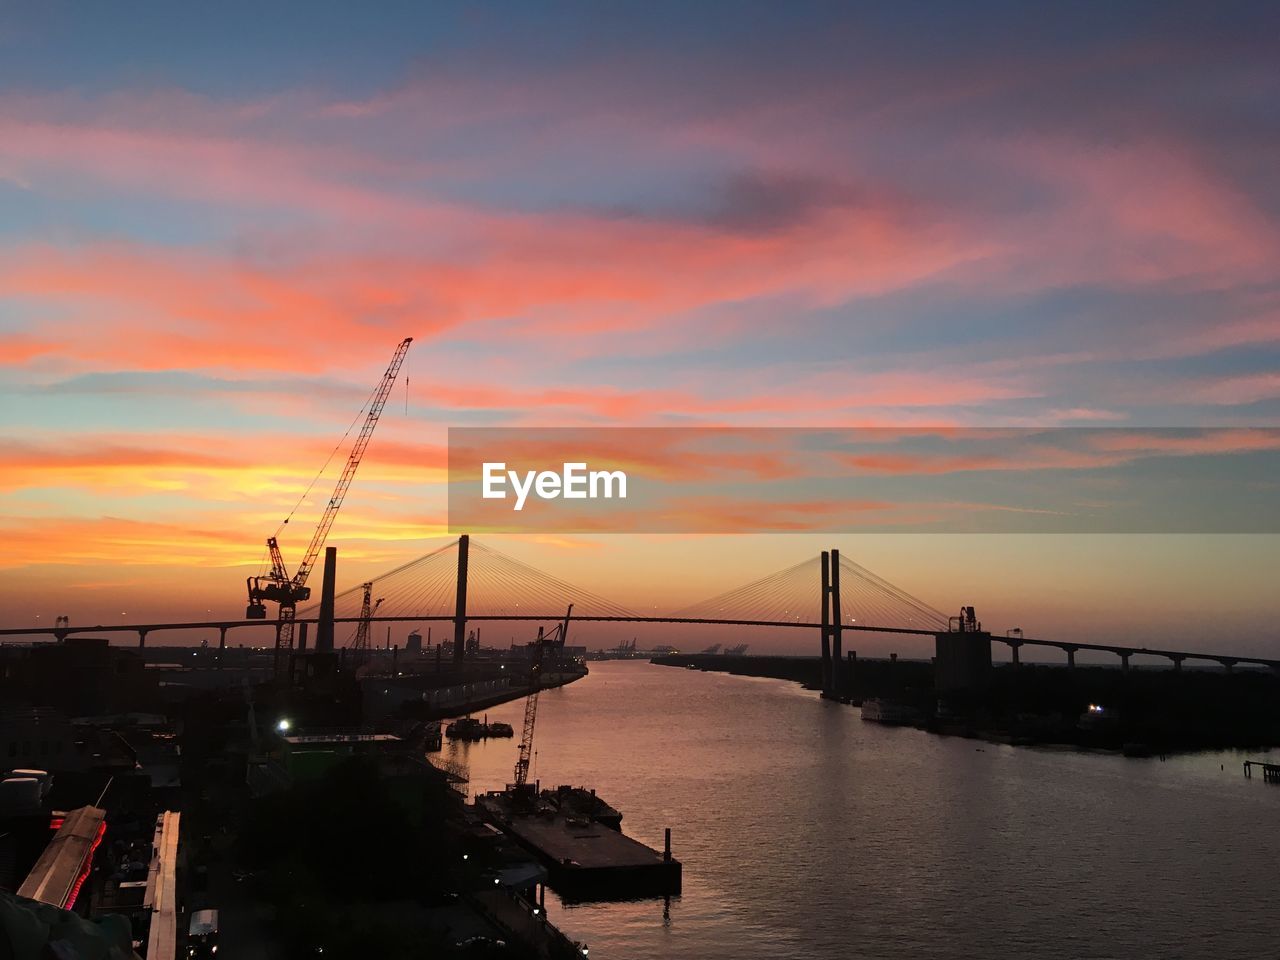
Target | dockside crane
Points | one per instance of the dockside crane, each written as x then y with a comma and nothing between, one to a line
278,586
556,638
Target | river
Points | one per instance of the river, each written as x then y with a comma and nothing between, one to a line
807,833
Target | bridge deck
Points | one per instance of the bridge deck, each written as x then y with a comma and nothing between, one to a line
142,629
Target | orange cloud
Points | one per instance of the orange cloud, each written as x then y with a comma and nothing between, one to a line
17,349
121,542
209,540
262,468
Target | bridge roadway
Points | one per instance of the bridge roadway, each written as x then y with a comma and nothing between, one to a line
1014,643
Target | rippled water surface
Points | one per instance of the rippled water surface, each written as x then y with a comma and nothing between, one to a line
807,833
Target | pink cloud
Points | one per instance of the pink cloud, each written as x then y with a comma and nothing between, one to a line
1137,213
1236,390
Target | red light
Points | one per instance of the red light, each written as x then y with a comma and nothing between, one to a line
86,866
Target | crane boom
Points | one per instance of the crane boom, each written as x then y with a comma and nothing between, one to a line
525,754
353,461
288,591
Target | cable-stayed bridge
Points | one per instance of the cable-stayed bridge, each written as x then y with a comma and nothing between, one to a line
466,581
500,587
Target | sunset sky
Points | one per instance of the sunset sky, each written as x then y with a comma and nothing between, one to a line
216,222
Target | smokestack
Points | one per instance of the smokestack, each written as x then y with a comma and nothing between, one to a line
324,629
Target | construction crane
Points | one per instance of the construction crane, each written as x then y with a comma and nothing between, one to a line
288,591
556,638
360,645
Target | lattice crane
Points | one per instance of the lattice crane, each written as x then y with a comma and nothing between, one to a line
288,591
360,645
556,638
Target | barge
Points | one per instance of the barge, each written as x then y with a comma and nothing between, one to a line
469,728
579,839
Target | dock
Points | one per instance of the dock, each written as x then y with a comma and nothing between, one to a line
1270,771
585,859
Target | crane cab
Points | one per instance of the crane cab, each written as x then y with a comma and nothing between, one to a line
262,588
265,588
255,610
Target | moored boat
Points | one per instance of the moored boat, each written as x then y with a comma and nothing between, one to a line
888,713
465,728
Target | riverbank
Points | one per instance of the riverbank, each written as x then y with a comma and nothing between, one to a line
1142,711
873,677
747,772
513,692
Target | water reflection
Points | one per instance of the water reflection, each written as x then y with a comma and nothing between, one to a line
807,833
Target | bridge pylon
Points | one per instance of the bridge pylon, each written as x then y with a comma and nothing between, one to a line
460,601
826,624
837,624
832,622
